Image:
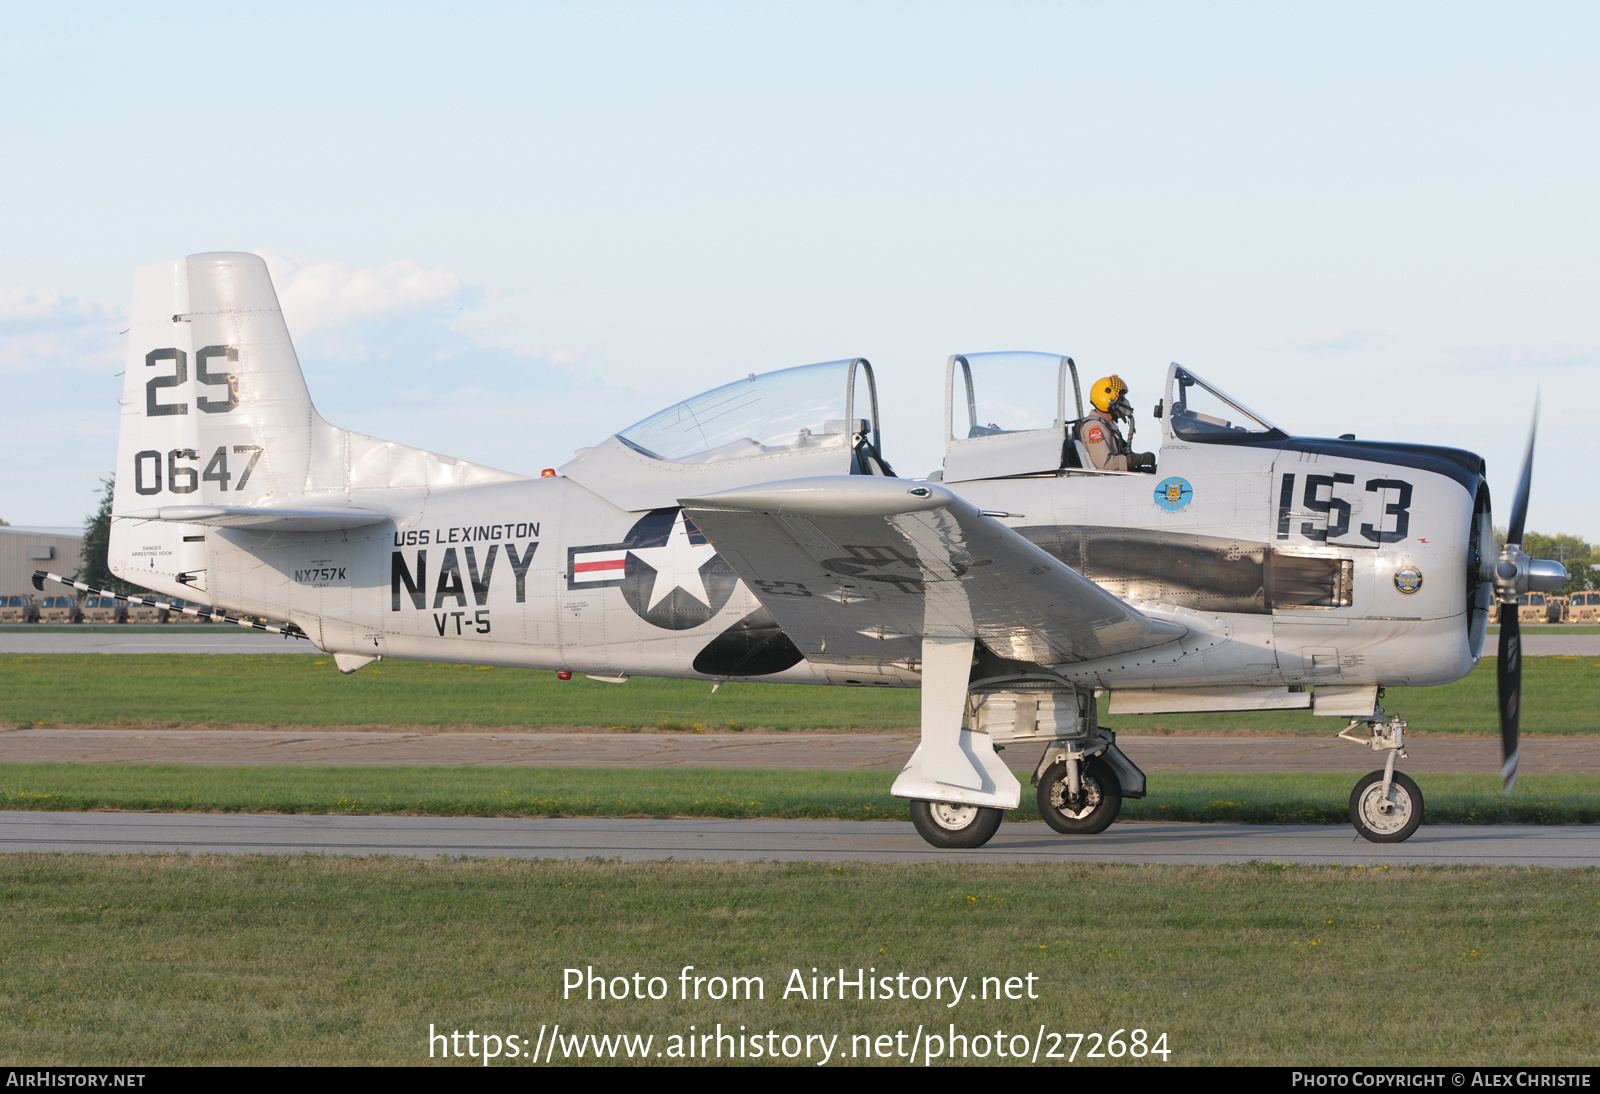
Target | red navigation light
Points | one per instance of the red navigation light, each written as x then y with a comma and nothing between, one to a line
548,473
563,675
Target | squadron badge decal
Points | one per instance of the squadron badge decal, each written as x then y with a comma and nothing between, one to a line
1407,579
1174,494
669,574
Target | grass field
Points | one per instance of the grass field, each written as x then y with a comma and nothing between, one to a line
1559,696
170,959
157,628
1552,628
1252,798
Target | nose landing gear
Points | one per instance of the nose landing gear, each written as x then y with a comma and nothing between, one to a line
1385,806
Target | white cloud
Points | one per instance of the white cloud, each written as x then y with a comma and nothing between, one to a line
1339,339
1537,355
320,296
44,330
43,304
59,356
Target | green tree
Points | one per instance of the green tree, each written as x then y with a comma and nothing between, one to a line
96,569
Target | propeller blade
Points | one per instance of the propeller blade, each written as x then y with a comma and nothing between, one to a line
1519,504
1508,675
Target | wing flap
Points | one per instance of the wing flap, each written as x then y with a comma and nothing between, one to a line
860,569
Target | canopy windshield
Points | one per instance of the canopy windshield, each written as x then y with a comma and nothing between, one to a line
1202,413
1007,392
783,411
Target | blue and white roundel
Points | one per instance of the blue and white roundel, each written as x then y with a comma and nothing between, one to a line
1407,580
1174,494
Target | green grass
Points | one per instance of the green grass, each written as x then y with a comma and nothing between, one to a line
290,690
1554,628
142,960
1544,629
1252,798
1559,696
284,689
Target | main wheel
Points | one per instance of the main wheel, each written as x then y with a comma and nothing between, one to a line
1099,798
946,825
1397,822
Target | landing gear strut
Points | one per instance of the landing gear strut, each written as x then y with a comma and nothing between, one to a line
1385,806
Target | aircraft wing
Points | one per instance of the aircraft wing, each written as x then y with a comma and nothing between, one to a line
262,519
861,568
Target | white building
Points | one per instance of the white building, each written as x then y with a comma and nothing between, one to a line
24,550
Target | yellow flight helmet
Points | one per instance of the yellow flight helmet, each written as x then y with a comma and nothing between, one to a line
1108,395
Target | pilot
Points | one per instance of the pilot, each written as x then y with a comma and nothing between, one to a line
1100,435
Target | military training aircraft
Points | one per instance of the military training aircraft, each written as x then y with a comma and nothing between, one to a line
757,532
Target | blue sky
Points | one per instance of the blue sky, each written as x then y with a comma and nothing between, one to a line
506,231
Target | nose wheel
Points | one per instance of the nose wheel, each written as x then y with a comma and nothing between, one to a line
1385,806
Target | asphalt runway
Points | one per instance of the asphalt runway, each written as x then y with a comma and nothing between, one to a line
787,841
794,751
1552,645
230,639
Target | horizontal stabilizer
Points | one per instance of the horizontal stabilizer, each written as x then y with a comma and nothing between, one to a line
263,519
857,568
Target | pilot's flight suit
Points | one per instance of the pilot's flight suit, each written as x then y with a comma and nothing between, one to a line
1107,450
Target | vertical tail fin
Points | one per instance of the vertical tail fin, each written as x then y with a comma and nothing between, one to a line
215,410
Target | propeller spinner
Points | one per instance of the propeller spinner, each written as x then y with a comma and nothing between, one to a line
1514,574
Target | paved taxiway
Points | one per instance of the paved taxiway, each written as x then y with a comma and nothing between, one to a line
766,840
793,751
229,639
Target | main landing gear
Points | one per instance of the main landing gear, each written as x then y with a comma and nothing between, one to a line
1385,806
956,786
1081,788
1079,793
955,826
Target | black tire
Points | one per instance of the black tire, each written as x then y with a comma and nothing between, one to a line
1100,799
1395,826
955,826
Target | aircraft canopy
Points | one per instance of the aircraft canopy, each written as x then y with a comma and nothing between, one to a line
812,406
1011,392
1199,412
